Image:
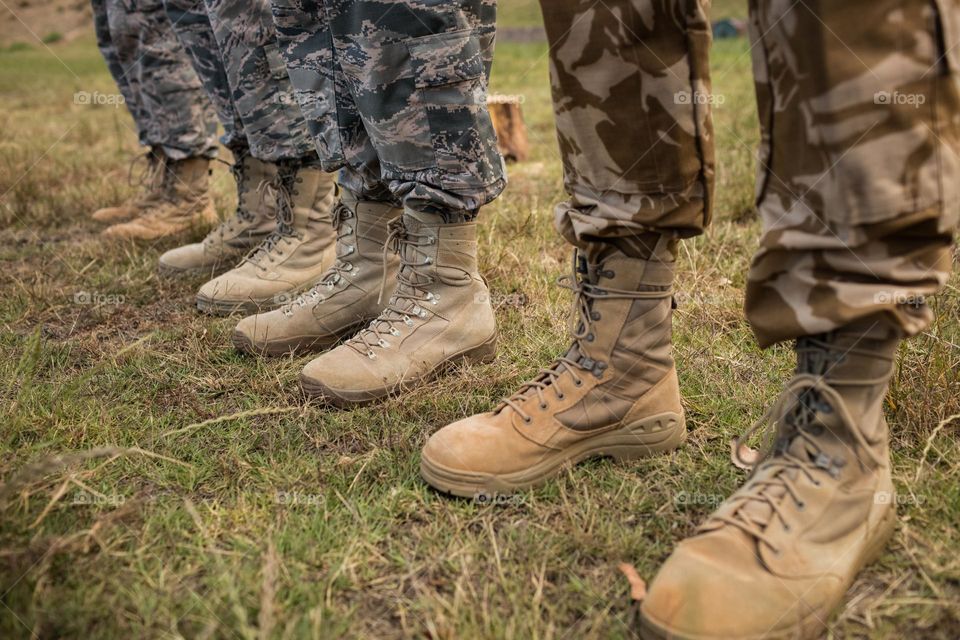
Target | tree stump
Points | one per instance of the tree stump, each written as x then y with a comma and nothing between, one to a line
509,126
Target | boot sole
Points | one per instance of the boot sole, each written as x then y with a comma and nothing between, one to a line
813,624
293,346
645,438
166,271
484,353
230,307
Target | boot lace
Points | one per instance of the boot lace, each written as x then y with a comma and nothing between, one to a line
334,276
410,299
152,177
584,317
229,226
780,468
278,189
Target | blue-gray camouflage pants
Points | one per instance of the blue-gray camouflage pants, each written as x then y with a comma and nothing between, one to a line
234,50
394,93
155,77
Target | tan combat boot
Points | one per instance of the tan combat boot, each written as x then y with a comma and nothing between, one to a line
186,207
614,392
152,187
348,296
253,221
777,557
440,313
293,257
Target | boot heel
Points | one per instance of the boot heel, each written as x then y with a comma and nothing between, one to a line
483,354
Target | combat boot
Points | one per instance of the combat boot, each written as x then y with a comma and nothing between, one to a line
151,190
253,221
348,295
777,556
614,392
440,313
186,207
292,258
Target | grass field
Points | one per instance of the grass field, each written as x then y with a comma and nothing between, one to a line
156,483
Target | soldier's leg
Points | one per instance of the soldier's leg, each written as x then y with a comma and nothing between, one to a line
190,22
254,218
858,196
301,247
117,28
631,95
116,33
181,122
348,296
417,76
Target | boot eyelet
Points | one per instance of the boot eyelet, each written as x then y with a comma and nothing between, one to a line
590,338
394,332
609,274
561,396
371,355
595,315
527,419
578,383
429,261
543,405
801,506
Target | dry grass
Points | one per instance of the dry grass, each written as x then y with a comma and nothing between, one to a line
214,502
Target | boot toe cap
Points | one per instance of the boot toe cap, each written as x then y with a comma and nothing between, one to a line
480,445
714,586
185,258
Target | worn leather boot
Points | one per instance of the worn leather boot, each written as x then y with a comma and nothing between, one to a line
186,207
292,258
151,189
253,221
777,557
440,313
348,295
614,392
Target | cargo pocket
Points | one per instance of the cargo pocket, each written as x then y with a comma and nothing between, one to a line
450,92
285,100
856,145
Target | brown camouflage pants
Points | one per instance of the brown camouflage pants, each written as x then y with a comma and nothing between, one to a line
859,172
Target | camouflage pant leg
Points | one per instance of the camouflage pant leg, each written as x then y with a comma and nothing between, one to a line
117,27
306,44
182,120
192,25
262,93
409,81
858,186
630,81
111,55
